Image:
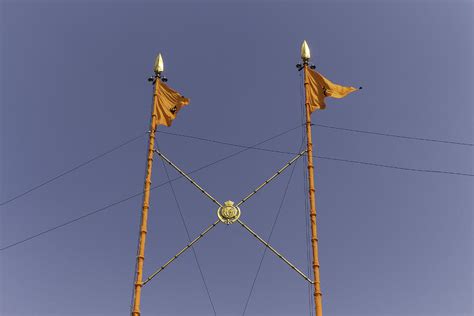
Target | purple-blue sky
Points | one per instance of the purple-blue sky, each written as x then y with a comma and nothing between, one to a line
392,242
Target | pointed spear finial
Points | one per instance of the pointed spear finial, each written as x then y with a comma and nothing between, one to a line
159,67
305,52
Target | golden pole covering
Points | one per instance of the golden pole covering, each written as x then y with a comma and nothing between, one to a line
146,194
305,56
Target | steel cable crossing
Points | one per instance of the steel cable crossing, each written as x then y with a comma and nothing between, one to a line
272,229
225,143
178,206
269,239
141,192
267,245
245,148
271,178
279,255
189,245
215,201
188,178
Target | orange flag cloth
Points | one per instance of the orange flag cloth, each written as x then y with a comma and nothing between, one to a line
320,87
167,103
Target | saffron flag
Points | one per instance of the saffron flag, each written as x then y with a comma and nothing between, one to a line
168,103
320,88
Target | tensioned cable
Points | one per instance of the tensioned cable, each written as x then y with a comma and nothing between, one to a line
141,193
349,130
133,139
292,161
71,221
82,164
329,158
187,234
278,254
223,143
396,167
395,135
181,172
176,256
269,238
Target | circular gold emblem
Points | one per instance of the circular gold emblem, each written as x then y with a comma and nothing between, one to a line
228,213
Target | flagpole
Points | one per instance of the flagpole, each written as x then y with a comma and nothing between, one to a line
305,55
146,191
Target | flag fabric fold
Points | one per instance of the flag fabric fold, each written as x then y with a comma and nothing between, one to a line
168,103
320,88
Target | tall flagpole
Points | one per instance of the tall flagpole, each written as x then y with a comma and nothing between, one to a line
146,191
305,55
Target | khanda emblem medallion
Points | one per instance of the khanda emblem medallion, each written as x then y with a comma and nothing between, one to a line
228,213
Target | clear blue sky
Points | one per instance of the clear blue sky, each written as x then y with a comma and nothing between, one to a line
392,242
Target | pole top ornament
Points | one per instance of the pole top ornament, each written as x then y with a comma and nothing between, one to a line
159,66
305,56
305,52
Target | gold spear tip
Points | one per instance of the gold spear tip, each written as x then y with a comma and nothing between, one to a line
159,67
305,52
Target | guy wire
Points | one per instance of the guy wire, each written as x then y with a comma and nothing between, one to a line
187,233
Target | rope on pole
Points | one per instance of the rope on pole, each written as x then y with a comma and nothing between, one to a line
181,252
279,255
271,178
188,178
